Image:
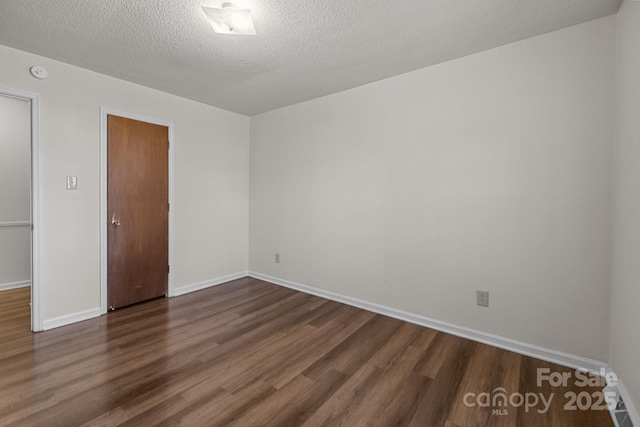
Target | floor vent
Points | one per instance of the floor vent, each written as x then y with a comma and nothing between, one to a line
619,414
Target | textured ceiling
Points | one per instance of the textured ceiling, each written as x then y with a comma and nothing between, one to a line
304,48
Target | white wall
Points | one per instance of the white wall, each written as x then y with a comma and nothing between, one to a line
15,179
625,291
15,158
211,179
488,172
15,256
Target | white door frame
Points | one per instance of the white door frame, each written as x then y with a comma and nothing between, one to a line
104,112
36,203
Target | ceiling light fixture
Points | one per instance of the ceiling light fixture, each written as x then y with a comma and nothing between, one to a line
230,19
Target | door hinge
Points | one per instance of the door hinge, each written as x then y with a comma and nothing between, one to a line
168,145
168,269
168,207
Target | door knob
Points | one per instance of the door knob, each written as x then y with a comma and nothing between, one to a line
115,221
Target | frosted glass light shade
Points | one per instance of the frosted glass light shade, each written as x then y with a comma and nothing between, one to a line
230,19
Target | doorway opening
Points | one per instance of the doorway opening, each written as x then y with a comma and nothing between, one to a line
19,211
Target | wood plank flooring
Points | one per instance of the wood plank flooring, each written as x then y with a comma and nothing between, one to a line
15,312
249,353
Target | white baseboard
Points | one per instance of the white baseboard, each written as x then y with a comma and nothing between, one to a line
68,319
554,356
15,285
95,312
208,283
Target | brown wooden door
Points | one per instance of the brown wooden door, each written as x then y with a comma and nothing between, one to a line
138,209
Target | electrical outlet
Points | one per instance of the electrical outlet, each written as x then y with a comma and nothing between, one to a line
482,298
277,258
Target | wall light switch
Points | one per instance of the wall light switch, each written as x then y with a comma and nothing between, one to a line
72,183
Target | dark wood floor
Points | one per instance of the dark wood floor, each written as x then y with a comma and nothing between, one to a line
249,353
15,313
